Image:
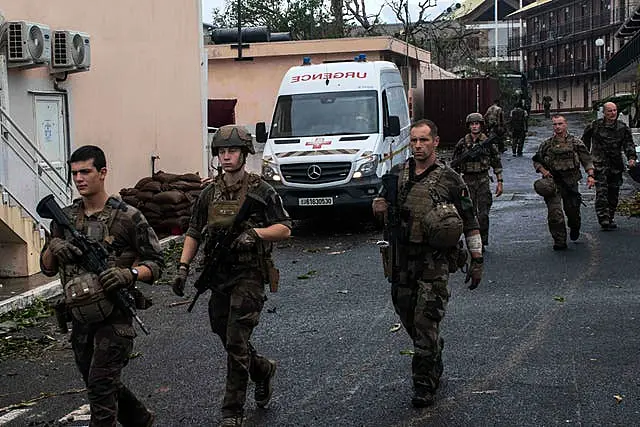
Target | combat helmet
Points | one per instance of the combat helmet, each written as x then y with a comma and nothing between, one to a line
545,187
232,136
442,226
475,117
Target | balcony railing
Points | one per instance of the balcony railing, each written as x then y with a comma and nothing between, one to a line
578,25
609,89
562,69
626,56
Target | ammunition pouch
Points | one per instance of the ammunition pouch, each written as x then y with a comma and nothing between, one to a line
86,299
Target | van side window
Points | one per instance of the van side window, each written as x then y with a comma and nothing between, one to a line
397,101
385,109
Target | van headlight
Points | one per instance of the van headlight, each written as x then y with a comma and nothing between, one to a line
366,169
269,173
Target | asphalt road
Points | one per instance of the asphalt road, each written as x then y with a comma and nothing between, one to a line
549,338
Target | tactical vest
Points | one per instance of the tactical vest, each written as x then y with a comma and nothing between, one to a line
221,213
429,217
475,165
562,156
83,292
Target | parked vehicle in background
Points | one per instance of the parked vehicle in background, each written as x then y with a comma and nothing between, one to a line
336,129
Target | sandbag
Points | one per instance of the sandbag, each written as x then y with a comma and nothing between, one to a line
165,177
125,192
190,177
142,182
184,185
145,196
169,197
153,186
132,200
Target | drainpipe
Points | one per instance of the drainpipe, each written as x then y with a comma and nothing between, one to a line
56,85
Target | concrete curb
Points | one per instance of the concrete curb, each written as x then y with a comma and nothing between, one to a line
49,290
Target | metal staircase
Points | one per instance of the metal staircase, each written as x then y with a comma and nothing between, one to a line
26,176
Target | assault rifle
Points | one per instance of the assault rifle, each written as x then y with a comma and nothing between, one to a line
476,151
556,178
218,250
392,229
94,255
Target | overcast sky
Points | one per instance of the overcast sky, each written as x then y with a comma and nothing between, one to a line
372,6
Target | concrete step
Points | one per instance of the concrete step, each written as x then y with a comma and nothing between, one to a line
20,243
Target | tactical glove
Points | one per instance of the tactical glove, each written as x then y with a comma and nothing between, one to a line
246,240
115,278
65,252
180,280
475,273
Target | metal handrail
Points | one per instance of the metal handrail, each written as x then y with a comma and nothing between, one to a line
26,138
4,190
61,191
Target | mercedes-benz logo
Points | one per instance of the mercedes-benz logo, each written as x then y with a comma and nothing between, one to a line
314,172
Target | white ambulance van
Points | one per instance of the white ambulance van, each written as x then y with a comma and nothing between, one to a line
336,129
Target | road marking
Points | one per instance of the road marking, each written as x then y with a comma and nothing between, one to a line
10,416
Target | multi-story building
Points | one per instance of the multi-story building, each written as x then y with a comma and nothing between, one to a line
565,46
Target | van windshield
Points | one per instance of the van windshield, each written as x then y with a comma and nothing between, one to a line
328,113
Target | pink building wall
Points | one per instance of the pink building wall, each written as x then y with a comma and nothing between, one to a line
143,95
255,83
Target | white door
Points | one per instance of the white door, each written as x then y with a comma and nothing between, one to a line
50,134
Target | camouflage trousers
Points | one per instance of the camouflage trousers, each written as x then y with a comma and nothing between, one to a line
101,352
480,192
420,299
518,141
608,185
234,314
562,203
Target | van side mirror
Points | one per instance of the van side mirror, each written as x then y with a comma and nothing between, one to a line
393,127
261,132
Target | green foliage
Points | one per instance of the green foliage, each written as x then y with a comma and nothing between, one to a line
29,316
305,19
630,206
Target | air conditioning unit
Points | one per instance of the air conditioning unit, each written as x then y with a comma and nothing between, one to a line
28,44
71,51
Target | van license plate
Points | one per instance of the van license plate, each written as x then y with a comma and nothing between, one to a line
315,201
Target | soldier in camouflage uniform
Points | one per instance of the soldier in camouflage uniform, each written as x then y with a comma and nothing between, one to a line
608,138
563,153
238,292
494,121
519,127
102,335
420,291
475,172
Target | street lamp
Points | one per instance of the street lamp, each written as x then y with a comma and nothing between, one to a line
600,46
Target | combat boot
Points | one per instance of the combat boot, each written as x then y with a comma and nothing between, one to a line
574,234
605,224
559,246
422,397
231,421
264,388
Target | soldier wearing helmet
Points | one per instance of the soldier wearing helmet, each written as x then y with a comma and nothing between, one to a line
563,154
238,285
436,212
475,171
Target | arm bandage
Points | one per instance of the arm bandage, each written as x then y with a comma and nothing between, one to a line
474,243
